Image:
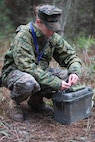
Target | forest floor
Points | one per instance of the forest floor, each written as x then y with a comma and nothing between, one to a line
41,127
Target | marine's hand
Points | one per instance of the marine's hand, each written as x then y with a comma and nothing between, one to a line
73,79
65,85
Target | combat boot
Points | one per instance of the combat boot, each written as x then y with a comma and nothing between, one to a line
36,102
16,111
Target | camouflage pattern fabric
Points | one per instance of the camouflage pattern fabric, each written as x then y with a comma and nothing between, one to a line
22,56
23,85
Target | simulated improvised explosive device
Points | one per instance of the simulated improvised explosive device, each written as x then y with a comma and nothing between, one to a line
73,104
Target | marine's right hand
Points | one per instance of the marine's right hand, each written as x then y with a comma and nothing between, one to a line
65,85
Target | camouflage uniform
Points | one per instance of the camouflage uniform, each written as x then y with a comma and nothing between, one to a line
22,73
22,56
27,76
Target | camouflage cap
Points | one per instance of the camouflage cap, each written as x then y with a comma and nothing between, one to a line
50,15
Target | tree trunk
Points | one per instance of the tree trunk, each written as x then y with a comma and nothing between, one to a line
65,15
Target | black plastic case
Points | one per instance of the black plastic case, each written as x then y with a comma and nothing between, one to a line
73,106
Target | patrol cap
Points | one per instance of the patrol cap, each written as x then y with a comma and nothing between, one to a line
50,15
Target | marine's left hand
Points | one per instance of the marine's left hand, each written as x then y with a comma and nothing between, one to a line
73,79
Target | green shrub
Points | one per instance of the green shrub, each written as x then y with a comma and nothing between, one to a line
84,42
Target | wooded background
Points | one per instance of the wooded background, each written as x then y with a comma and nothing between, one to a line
78,25
78,16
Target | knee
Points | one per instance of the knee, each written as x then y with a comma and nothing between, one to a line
21,91
28,87
32,86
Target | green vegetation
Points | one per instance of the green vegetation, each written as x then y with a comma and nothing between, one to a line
85,42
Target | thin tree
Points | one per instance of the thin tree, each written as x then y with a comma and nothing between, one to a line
65,15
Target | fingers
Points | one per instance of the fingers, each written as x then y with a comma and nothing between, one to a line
73,79
65,85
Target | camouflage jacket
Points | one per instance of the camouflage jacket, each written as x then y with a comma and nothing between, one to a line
22,55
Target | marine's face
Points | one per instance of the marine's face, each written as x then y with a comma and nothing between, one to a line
44,29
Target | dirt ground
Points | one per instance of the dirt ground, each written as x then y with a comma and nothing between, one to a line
41,127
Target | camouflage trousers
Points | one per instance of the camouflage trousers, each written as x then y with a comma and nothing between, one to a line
22,85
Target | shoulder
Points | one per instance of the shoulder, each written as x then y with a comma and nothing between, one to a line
57,39
23,32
